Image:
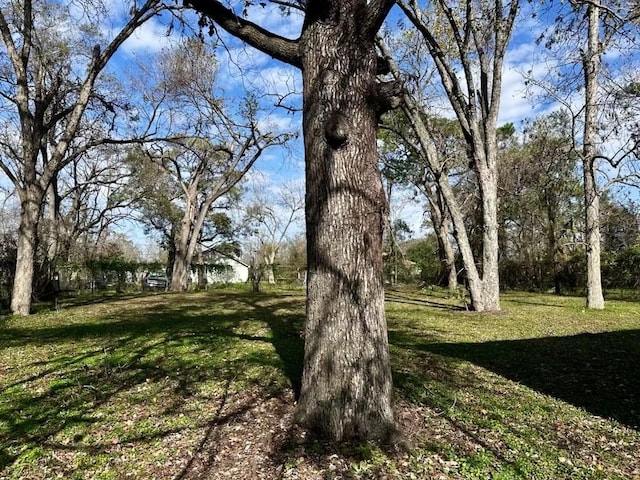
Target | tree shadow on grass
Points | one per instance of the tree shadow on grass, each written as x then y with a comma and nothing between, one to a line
177,345
542,304
597,372
404,298
286,322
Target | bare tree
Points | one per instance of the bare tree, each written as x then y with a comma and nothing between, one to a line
474,35
591,63
269,218
47,103
205,173
433,162
209,144
584,33
86,198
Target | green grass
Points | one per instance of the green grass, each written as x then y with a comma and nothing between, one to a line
547,389
137,387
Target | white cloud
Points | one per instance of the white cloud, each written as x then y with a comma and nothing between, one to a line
520,100
273,19
515,104
279,123
150,37
280,80
248,68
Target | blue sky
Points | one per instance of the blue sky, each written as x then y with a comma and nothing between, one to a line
243,68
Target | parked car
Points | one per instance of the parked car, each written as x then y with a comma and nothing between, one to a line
155,281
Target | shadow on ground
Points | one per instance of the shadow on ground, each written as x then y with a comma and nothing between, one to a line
597,372
176,343
398,296
286,322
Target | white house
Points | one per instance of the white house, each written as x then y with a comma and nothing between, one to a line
214,266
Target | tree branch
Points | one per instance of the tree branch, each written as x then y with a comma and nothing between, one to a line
389,96
98,62
450,81
292,5
377,11
9,174
274,45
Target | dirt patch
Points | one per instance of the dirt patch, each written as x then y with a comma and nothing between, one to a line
255,438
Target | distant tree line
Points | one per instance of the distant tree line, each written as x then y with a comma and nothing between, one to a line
540,216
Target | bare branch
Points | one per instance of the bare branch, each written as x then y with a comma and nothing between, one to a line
9,174
292,5
274,45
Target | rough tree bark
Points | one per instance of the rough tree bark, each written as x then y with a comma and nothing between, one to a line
31,199
346,386
487,172
184,249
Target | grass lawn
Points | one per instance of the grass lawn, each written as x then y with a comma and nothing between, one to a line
201,385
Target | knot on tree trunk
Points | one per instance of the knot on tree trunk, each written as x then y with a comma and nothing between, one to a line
383,66
335,130
387,96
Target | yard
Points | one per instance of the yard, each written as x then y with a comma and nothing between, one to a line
202,385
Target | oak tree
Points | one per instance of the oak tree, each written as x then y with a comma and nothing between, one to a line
346,386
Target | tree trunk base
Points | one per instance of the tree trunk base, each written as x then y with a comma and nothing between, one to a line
338,422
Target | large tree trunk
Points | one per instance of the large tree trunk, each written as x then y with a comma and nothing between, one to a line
180,273
184,250
474,282
595,298
346,386
268,270
31,199
181,262
269,262
591,65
